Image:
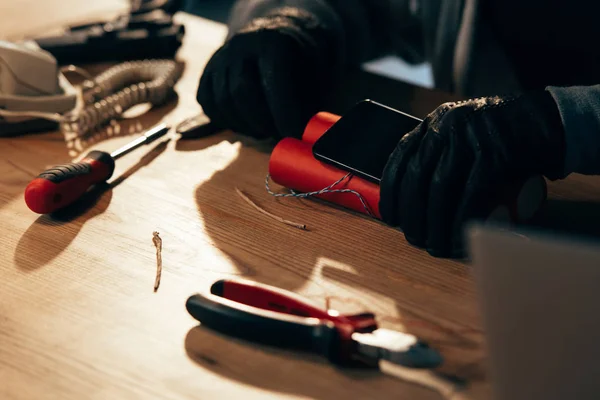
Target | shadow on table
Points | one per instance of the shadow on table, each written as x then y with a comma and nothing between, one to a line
51,234
216,221
357,86
296,256
293,256
246,362
75,147
266,259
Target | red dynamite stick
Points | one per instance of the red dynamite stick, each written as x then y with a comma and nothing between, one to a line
293,165
318,125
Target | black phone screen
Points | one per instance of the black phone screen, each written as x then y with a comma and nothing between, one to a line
364,138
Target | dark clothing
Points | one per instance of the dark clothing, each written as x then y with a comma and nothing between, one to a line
478,48
451,35
549,42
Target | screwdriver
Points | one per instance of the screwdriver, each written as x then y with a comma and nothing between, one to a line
61,185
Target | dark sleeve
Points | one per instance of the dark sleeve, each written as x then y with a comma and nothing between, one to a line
363,26
579,108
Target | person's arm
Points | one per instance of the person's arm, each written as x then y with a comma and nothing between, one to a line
362,26
283,56
457,164
579,108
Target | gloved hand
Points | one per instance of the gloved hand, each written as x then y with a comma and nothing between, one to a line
268,78
454,165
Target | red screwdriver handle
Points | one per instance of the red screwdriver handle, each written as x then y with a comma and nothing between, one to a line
60,186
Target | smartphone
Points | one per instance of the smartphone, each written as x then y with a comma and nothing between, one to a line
364,138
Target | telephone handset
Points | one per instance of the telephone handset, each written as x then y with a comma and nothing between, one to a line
30,81
32,86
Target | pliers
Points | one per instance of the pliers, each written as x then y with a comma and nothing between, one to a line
273,316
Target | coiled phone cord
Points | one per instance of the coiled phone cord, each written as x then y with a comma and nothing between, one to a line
111,93
119,88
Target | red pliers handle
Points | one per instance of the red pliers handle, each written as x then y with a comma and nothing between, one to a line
273,316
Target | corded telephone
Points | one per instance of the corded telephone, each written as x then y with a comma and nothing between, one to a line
30,81
32,86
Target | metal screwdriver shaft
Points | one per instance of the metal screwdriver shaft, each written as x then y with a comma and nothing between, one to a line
150,136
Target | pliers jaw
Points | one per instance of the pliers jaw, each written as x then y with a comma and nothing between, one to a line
397,347
343,349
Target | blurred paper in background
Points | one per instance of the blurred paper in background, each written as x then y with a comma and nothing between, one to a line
20,19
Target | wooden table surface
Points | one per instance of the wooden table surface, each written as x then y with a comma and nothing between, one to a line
78,314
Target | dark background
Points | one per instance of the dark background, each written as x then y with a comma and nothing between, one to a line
217,10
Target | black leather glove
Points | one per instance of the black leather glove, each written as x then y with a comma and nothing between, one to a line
268,78
454,165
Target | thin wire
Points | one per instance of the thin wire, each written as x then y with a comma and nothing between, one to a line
158,244
328,189
268,214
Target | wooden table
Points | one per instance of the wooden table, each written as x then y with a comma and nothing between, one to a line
78,315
